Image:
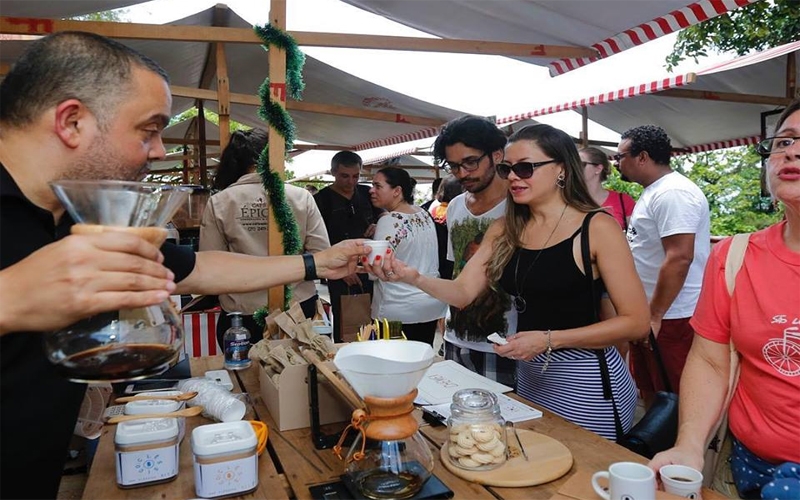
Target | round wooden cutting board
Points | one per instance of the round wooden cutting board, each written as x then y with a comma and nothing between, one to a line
548,460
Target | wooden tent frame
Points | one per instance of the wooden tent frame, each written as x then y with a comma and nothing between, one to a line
216,66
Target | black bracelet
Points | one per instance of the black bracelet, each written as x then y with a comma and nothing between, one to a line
311,267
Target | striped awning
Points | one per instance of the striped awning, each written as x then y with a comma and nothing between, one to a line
663,25
608,26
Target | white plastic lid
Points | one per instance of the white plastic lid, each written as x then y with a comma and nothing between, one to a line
143,406
226,437
146,431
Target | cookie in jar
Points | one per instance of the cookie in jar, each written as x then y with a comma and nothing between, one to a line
477,438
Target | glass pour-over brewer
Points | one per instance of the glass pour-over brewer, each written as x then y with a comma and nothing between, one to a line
128,344
389,457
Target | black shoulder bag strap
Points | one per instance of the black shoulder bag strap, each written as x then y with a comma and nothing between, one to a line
600,353
622,207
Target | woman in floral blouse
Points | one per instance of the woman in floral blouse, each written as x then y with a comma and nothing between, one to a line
411,234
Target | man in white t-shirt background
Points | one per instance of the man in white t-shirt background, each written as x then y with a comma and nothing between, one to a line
669,236
470,147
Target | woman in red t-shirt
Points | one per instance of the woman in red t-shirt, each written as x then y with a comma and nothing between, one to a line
762,319
595,170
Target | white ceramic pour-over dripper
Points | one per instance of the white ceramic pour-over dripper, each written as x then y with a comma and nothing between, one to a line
384,368
128,344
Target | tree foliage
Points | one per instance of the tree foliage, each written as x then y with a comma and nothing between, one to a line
117,16
758,26
731,181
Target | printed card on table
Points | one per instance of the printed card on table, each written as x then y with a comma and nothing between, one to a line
445,378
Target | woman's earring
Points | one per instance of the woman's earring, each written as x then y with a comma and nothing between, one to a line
560,180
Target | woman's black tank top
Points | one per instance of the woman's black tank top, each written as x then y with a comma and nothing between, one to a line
555,289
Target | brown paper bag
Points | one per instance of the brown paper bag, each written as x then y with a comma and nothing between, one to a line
356,311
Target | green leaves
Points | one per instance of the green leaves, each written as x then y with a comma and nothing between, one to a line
754,27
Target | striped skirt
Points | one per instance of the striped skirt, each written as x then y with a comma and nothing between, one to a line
572,388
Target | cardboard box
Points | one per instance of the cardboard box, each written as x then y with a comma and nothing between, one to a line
288,401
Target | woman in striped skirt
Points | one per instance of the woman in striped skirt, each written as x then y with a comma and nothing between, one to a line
534,254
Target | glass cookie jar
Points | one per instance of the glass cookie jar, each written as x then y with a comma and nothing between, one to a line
477,431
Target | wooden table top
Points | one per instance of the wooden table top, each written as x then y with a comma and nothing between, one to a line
292,464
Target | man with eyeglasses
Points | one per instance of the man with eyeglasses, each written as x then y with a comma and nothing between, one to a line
348,213
470,147
669,236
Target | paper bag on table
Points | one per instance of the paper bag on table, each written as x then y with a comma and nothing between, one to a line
355,312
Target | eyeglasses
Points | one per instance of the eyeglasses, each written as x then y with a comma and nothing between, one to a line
523,169
469,164
617,157
772,145
585,163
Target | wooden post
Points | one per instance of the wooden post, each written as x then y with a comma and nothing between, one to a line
277,150
223,97
201,134
585,126
185,170
791,78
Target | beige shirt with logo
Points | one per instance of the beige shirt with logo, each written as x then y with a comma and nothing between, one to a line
237,220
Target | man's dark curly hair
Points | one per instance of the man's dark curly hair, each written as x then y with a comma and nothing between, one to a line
652,139
472,131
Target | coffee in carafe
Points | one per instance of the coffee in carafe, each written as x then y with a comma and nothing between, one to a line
128,344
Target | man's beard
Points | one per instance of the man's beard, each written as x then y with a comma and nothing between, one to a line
481,183
101,163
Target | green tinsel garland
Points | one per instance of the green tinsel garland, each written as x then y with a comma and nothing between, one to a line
279,119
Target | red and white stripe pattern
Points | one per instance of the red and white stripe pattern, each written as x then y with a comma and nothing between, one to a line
200,334
389,156
713,146
674,21
398,139
618,95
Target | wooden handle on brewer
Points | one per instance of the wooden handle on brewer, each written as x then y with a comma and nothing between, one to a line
340,385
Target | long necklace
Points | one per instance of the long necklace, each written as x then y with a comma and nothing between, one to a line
519,302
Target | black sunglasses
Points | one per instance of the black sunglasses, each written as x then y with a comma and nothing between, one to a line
523,169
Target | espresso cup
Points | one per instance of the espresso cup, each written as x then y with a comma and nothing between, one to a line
378,247
681,480
626,481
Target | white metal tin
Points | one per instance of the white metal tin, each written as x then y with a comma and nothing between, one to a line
146,451
146,406
225,459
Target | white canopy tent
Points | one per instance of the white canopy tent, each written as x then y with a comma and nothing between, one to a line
608,26
717,107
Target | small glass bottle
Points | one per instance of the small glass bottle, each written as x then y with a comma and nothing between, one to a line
477,431
236,344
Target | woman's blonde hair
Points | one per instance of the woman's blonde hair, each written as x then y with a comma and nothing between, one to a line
559,146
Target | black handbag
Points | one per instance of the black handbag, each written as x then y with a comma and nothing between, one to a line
658,428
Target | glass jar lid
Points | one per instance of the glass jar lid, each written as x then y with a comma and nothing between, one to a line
474,402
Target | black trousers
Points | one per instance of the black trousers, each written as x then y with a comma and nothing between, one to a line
337,288
422,332
309,307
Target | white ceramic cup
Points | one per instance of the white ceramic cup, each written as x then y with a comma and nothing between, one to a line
378,247
626,481
681,480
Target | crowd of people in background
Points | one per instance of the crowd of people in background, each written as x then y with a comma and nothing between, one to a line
531,234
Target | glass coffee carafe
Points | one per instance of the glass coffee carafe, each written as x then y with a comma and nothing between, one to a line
389,459
128,344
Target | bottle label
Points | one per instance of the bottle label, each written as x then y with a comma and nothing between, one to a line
236,352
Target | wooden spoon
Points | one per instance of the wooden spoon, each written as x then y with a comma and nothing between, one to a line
178,397
186,412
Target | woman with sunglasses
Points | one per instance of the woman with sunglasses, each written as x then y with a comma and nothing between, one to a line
534,254
595,170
